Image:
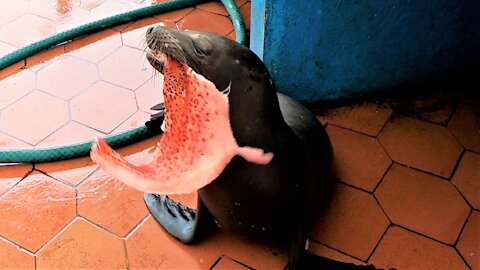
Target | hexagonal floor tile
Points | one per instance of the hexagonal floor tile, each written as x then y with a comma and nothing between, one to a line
136,120
111,7
35,210
171,18
353,223
324,251
33,28
83,246
421,145
401,249
66,77
367,118
467,178
200,20
12,257
469,243
103,106
95,47
150,246
16,86
150,94
71,133
89,4
53,9
423,203
465,125
11,10
74,18
110,204
359,160
213,7
226,263
127,67
34,117
12,174
9,142
72,172
6,48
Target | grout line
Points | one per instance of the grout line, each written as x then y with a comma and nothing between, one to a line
383,177
16,245
216,262
454,113
379,241
127,261
456,243
335,249
137,226
423,235
56,235
352,130
18,182
463,227
56,179
385,123
238,262
422,171
99,227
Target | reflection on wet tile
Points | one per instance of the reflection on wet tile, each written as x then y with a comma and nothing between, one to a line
71,133
93,107
33,28
29,120
95,47
83,246
12,88
66,77
402,249
110,204
35,210
12,257
136,72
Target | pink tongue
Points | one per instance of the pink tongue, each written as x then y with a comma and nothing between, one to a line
197,142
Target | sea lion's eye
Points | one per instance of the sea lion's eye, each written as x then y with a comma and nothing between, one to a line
198,51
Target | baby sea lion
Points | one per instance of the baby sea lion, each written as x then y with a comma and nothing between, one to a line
269,160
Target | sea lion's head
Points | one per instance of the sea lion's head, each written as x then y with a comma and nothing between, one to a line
252,99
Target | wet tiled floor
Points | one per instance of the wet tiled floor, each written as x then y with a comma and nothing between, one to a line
408,187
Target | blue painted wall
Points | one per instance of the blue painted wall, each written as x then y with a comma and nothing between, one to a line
330,49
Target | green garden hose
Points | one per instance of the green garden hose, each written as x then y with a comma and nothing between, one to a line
115,140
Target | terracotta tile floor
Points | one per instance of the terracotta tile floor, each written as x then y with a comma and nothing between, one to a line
408,183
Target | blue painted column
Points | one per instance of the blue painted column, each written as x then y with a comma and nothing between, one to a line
330,49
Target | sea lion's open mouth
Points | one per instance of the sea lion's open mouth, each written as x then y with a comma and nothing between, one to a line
197,142
157,60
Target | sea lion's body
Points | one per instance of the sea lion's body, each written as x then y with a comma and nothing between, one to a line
276,201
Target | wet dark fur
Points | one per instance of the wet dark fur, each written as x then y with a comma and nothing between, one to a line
277,201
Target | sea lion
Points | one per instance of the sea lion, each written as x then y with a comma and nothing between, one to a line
275,198
278,200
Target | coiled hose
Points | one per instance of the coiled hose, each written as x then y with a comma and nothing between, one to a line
115,140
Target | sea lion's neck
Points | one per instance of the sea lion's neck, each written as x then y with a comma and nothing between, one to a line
254,110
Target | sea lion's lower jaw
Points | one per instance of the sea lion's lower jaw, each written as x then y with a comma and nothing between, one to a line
157,60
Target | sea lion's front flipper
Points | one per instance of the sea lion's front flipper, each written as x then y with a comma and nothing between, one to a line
185,224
